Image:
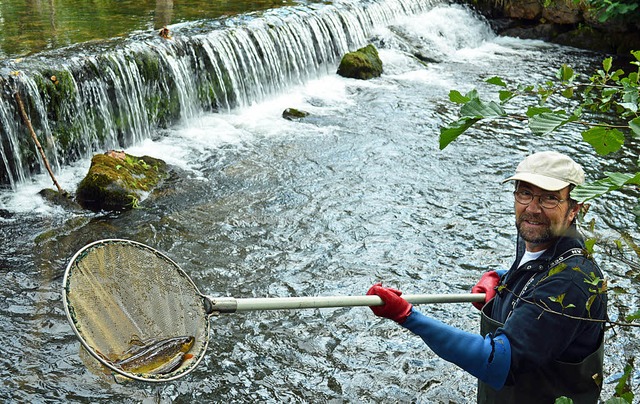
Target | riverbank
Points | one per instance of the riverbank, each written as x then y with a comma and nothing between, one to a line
562,22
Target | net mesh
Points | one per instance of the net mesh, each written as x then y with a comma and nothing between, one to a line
119,291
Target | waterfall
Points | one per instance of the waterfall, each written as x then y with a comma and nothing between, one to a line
94,97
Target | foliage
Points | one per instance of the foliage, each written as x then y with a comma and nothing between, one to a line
611,10
608,92
623,388
606,107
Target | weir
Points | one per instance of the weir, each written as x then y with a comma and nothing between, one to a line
94,97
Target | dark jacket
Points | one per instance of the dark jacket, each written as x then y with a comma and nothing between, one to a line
542,341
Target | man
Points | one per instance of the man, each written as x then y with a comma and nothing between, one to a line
542,326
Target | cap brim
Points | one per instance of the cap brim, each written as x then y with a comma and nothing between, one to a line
541,181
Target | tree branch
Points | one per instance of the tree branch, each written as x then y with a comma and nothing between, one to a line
27,122
546,309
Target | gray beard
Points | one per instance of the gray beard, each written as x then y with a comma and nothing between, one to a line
542,238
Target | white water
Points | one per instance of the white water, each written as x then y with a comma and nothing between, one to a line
122,94
185,146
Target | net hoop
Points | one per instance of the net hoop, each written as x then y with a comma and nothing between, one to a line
107,304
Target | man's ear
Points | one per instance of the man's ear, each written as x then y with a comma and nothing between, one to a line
574,211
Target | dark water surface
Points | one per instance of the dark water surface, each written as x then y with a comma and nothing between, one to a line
28,27
258,206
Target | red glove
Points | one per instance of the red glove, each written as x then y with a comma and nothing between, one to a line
395,307
487,285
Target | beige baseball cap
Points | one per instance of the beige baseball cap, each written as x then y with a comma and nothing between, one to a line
548,170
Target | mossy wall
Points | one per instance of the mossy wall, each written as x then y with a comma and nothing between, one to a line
110,101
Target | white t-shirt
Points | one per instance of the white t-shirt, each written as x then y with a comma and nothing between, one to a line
530,256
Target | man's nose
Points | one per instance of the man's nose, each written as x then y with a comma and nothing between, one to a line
534,205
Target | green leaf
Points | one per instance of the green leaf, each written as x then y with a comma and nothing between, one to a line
592,280
473,95
557,299
630,99
634,316
557,269
613,181
634,124
622,388
506,95
604,140
547,122
635,180
636,213
563,400
577,113
565,73
620,179
450,132
567,92
631,106
589,244
455,96
526,88
544,94
479,109
607,64
589,303
617,74
585,192
531,111
496,81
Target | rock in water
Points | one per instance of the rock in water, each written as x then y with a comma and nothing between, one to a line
117,181
362,64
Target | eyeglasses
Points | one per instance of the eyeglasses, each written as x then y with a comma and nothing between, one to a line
547,201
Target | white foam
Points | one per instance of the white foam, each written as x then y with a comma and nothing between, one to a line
190,145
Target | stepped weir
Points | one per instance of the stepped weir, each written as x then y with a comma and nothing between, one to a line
96,96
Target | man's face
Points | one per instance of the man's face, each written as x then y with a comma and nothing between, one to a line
539,226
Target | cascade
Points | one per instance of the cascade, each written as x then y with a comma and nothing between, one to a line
90,97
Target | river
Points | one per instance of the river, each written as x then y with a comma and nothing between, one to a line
259,206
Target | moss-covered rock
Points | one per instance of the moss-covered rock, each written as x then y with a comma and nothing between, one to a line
293,114
118,181
362,64
62,199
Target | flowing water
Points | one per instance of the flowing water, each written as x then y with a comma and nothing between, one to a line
259,206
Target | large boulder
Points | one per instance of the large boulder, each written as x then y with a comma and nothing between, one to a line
118,181
362,64
563,12
57,198
523,9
